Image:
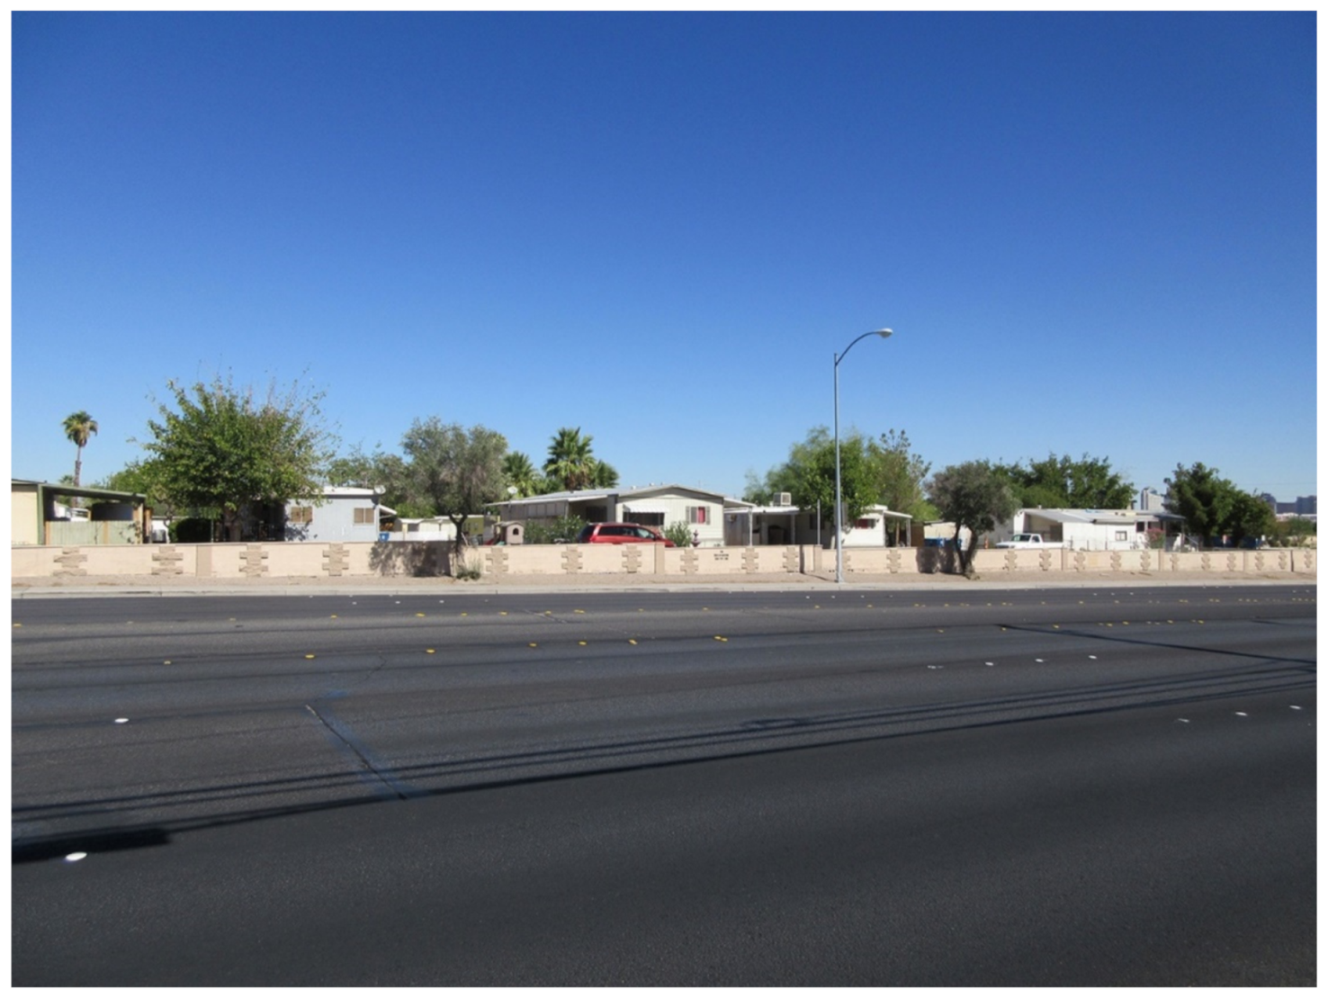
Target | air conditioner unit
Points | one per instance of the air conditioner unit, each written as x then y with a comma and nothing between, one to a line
785,499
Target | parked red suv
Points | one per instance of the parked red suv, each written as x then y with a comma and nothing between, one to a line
621,533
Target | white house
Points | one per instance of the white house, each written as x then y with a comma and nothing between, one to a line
652,506
784,523
344,514
1093,529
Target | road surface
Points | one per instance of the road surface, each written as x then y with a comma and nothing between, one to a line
1096,786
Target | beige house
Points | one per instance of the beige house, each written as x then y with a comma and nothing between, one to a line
39,518
657,506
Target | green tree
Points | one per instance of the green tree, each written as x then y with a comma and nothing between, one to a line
459,471
223,448
899,475
1203,498
1250,517
1064,483
809,476
143,478
383,471
79,426
1294,531
974,495
571,460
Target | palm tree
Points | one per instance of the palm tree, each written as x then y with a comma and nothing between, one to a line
603,475
570,460
521,474
78,427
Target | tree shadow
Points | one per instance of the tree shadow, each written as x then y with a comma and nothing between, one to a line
938,560
421,559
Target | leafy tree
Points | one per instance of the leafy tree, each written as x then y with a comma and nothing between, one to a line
79,426
974,495
899,475
809,476
1250,517
224,448
1294,531
144,478
459,471
1203,498
1064,483
571,461
383,471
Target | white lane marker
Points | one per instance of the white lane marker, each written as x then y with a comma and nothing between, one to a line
74,857
122,720
1241,713
1294,707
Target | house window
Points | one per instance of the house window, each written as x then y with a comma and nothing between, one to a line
698,514
648,519
300,514
365,515
1122,535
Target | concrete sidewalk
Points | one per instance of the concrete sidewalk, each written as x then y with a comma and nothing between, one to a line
113,585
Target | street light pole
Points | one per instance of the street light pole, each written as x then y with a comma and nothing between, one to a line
839,495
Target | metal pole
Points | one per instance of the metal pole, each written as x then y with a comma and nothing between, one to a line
839,498
839,555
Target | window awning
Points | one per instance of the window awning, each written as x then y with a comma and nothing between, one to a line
646,507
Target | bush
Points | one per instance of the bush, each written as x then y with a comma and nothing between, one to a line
680,533
560,531
191,530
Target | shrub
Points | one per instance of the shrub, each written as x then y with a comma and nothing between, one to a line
191,530
680,533
560,531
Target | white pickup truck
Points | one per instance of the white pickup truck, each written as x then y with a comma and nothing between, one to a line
1028,541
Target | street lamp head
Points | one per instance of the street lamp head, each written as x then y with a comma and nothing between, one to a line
884,333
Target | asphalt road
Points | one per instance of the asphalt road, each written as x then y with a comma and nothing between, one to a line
1061,787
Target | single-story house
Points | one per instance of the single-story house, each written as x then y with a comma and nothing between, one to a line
1094,529
345,513
38,517
652,506
783,523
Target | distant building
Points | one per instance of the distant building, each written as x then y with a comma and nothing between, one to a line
1151,501
1303,506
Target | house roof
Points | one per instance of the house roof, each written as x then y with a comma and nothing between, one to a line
740,506
624,495
55,488
1121,517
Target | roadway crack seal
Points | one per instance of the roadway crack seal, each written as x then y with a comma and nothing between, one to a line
379,776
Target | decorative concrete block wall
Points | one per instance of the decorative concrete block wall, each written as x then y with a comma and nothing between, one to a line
276,560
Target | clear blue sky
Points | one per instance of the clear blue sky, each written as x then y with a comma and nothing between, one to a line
1091,233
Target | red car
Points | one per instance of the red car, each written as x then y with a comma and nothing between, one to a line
621,533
